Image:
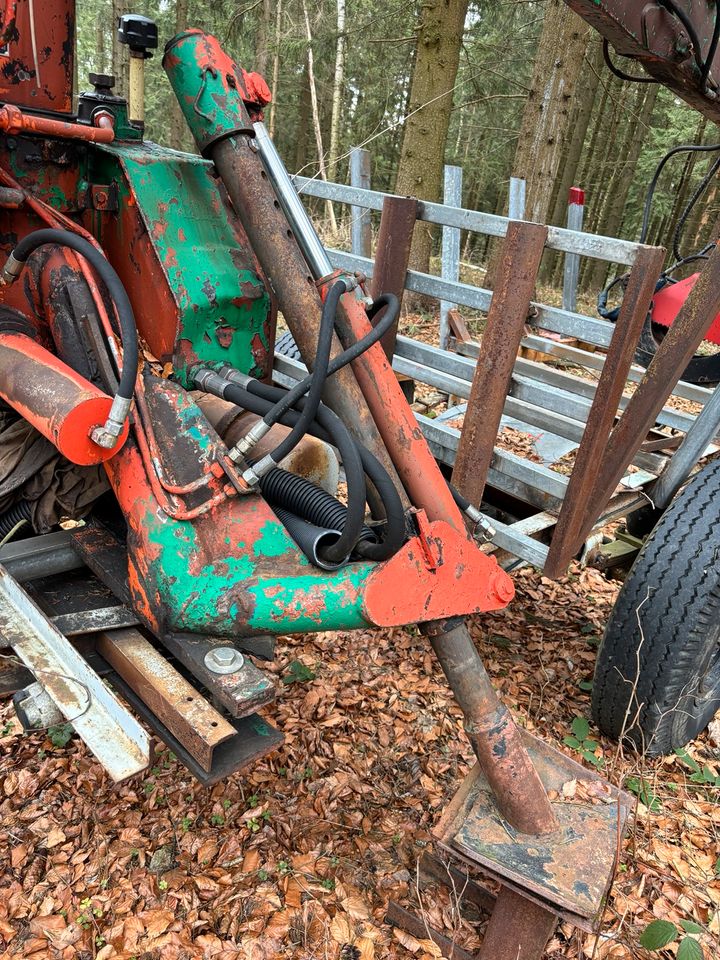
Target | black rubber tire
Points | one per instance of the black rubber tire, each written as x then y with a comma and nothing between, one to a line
659,687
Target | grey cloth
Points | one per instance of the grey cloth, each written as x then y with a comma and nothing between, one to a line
32,469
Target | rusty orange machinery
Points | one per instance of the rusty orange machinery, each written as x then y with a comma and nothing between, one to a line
57,401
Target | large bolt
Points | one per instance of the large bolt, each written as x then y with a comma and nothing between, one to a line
224,660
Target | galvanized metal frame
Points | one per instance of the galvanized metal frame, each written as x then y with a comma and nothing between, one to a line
553,400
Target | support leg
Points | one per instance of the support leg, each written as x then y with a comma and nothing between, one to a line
518,929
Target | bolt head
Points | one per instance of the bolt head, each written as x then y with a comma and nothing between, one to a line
224,660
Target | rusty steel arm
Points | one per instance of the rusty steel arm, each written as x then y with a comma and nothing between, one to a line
672,41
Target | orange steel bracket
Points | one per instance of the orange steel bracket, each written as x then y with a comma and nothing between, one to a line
407,589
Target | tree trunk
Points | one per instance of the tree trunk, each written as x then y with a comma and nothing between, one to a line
437,55
337,97
120,55
178,127
614,210
316,115
276,66
567,173
546,118
558,65
262,38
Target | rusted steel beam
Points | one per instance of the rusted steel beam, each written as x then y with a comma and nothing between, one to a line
515,283
397,223
399,917
518,929
673,355
495,738
186,714
577,502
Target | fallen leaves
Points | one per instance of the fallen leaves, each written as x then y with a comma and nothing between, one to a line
298,856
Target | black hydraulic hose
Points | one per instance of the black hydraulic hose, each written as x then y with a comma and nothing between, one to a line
12,519
699,190
330,428
316,379
685,20
394,514
351,461
394,535
707,65
113,285
683,148
311,539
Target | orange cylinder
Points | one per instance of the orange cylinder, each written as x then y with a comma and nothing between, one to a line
58,402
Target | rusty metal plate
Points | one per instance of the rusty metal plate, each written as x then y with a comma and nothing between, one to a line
570,866
568,871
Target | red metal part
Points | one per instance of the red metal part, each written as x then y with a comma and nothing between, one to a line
668,301
36,66
58,402
656,37
456,578
14,121
520,257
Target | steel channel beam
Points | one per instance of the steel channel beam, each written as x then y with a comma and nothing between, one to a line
673,355
601,416
397,223
174,701
519,261
559,238
106,727
41,556
700,434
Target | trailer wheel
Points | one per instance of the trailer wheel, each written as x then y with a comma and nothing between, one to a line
657,677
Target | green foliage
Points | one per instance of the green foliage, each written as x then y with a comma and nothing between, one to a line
584,744
661,933
641,788
297,673
61,734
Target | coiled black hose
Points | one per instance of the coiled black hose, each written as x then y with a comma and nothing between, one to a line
349,453
330,428
113,285
332,425
307,500
19,514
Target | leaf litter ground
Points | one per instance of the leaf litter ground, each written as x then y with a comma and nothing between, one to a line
298,857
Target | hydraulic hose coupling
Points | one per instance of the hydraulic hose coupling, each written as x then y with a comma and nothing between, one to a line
11,270
482,529
108,435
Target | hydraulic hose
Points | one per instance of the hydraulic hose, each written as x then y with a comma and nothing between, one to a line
369,464
315,381
118,296
330,428
311,539
13,519
355,476
306,500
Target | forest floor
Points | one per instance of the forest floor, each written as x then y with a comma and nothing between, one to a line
299,856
